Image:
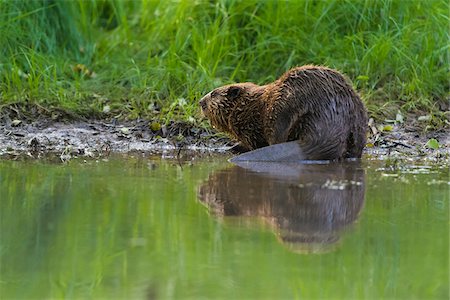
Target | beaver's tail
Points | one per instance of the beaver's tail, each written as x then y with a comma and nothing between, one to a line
321,148
284,152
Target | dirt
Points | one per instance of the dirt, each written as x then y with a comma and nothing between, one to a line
98,138
101,137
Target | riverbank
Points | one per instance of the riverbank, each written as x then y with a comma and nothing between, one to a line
98,138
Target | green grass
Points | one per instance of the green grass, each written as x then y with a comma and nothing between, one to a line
166,54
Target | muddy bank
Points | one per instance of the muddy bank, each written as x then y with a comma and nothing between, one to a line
99,138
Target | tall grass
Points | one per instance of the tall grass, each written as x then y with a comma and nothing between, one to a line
133,55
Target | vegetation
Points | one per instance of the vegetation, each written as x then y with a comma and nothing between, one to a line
155,59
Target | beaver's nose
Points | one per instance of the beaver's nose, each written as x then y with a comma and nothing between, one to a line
202,103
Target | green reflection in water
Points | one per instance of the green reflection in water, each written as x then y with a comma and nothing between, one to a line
134,228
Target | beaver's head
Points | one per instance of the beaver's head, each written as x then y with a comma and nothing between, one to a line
218,104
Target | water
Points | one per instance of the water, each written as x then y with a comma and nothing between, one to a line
147,228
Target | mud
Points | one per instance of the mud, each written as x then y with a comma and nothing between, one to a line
99,138
95,138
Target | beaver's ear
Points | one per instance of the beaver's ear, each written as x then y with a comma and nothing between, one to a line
233,92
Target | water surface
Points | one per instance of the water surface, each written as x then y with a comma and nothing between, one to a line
148,228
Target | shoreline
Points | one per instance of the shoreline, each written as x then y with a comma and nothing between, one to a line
100,138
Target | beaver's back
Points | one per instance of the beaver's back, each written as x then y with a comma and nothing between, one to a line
318,107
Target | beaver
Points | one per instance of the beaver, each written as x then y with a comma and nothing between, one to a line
313,105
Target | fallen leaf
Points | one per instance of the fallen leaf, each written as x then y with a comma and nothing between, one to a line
15,122
424,118
386,128
125,130
432,144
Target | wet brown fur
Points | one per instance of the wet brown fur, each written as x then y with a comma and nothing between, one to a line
312,104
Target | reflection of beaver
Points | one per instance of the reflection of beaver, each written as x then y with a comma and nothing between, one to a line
311,104
308,208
